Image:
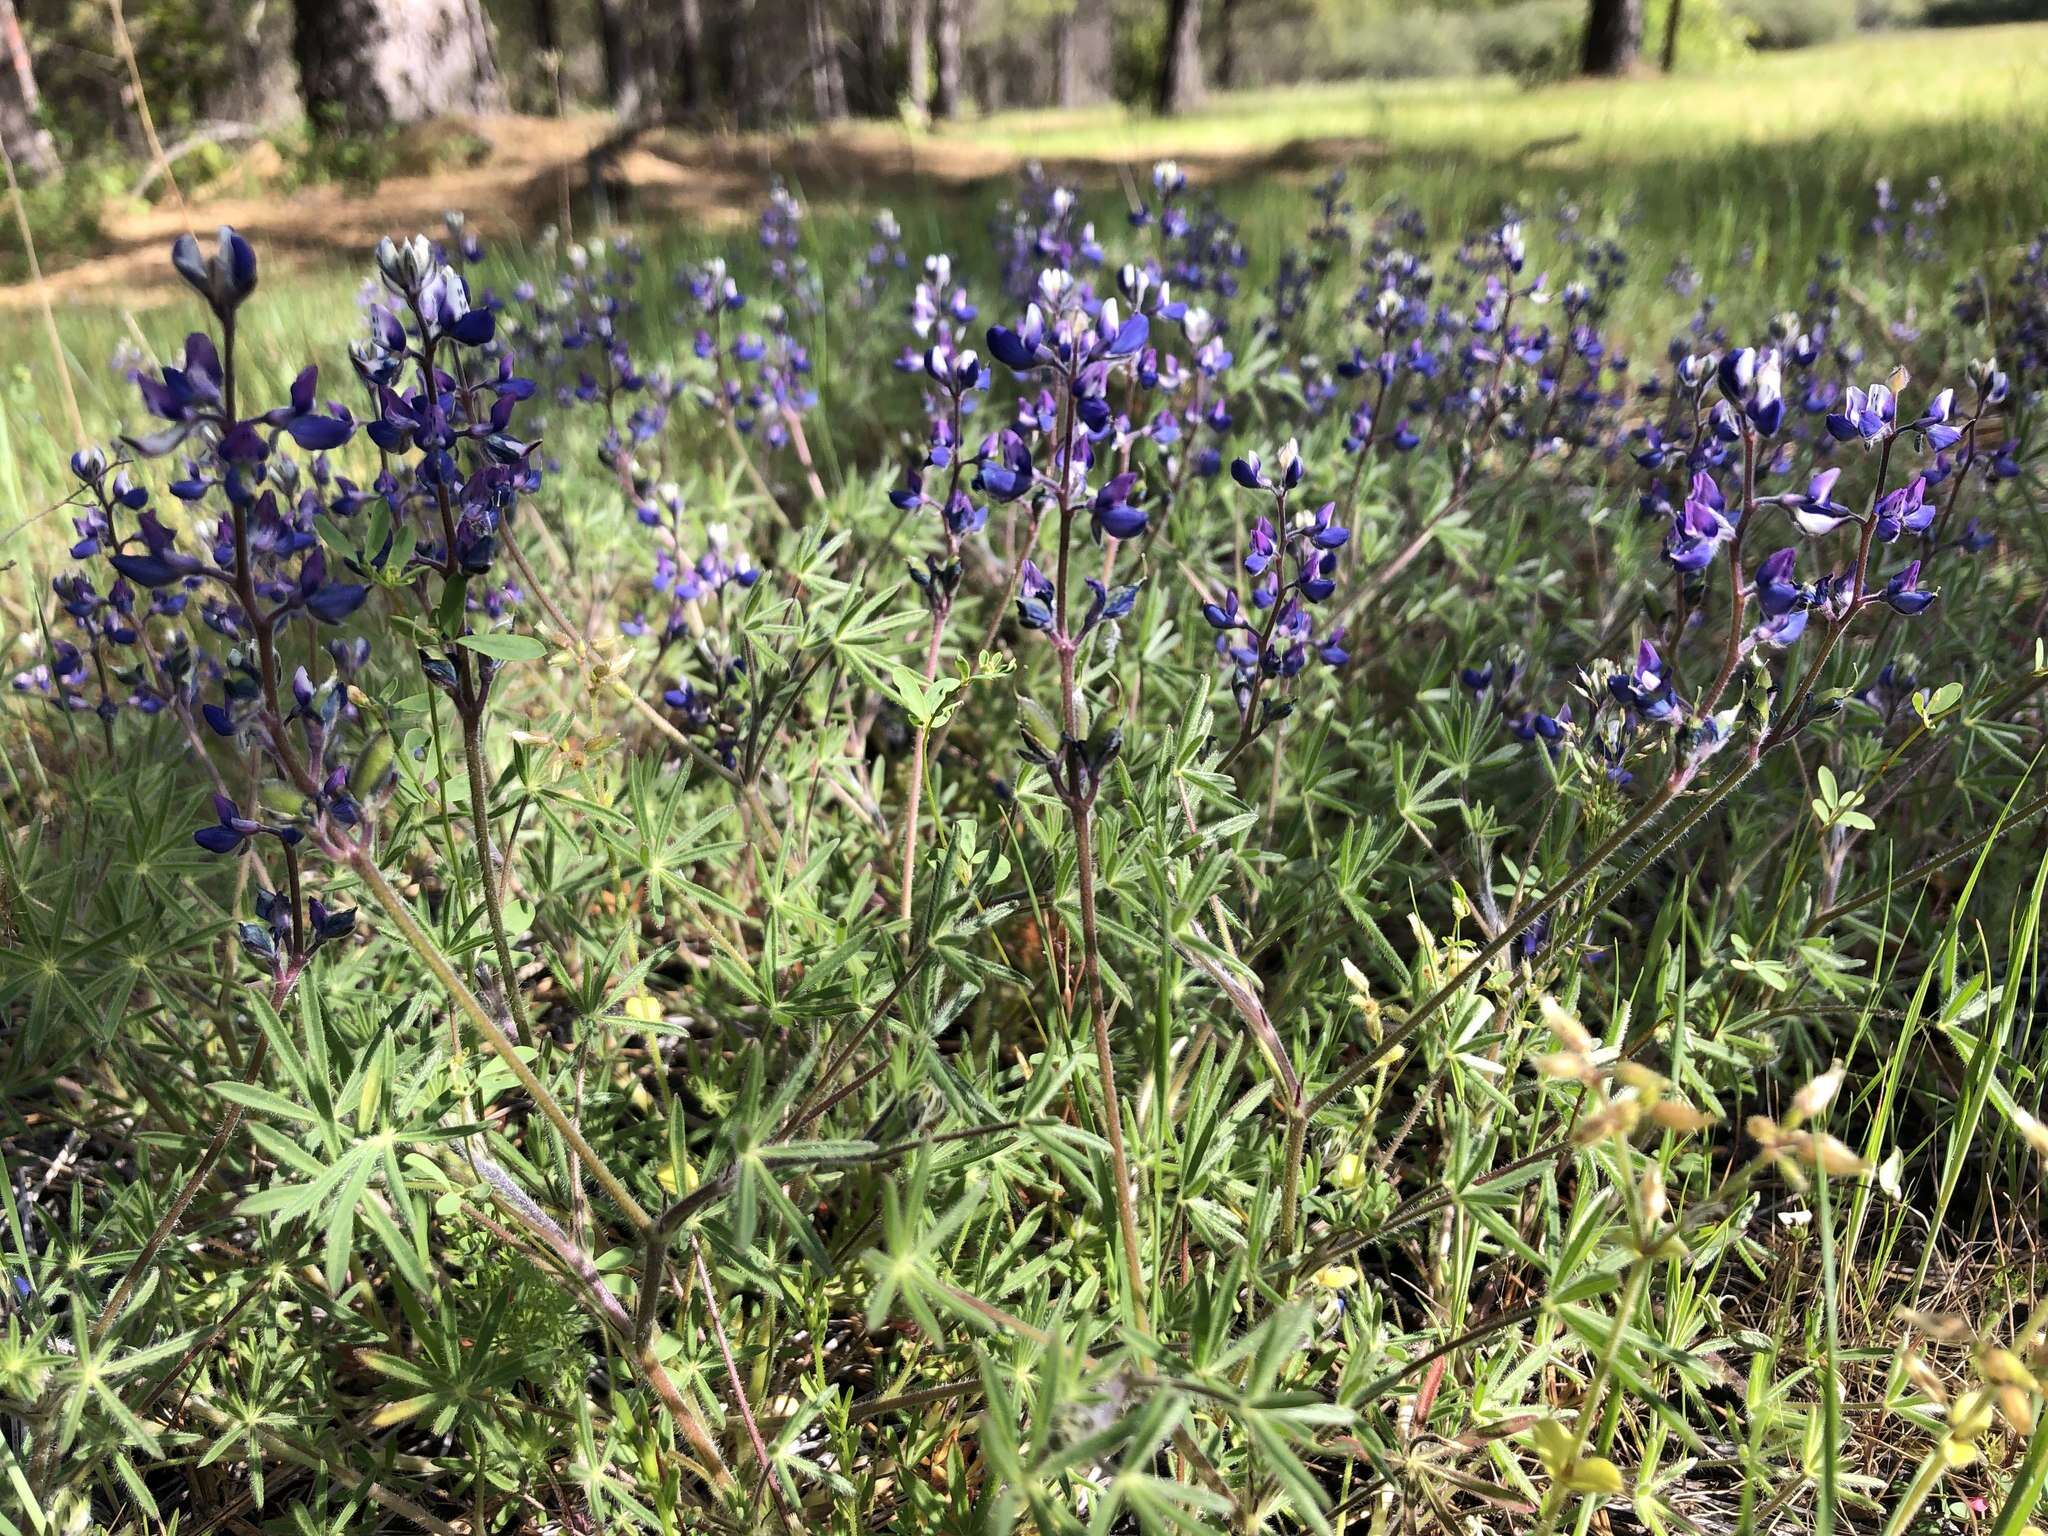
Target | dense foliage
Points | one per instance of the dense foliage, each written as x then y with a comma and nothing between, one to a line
1419,913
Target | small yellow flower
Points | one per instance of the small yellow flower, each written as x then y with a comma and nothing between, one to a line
1593,1474
1336,1277
1676,1115
675,1183
642,1008
1816,1095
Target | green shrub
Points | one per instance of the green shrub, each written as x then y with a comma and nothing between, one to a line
1797,23
1531,40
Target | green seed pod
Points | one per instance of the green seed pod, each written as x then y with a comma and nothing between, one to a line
282,798
373,767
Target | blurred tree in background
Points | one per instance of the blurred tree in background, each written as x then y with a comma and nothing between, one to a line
237,69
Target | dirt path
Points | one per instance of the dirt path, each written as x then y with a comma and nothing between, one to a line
536,171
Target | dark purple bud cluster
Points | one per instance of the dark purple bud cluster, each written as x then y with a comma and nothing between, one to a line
1292,561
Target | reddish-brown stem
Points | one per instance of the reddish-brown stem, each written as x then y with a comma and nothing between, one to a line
1738,599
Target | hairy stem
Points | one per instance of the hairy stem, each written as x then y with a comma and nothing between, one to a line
917,753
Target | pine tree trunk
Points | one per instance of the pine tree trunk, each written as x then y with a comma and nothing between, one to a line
1226,41
1180,80
946,93
1671,36
1614,36
28,143
366,64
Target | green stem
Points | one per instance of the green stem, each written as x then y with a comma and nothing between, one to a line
423,945
1290,1178
2024,1496
487,863
1596,1392
1926,1481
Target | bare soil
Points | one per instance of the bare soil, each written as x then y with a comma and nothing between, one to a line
540,171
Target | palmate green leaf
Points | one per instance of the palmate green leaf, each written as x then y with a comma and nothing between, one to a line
337,1241
263,1101
290,1202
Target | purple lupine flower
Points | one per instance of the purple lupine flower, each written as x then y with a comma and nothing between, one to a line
225,278
1752,383
1934,423
312,430
964,518
328,924
160,564
1776,592
1034,597
1699,528
1903,592
1252,474
1226,615
233,829
1107,603
1004,469
1111,512
1261,548
1815,511
1323,531
1905,510
1780,630
1646,688
1534,725
1317,577
1865,416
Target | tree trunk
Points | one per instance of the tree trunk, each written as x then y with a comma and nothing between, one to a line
28,143
263,87
828,76
624,78
1671,35
1614,36
918,57
691,89
946,92
1082,54
1226,44
1180,75
741,85
366,64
